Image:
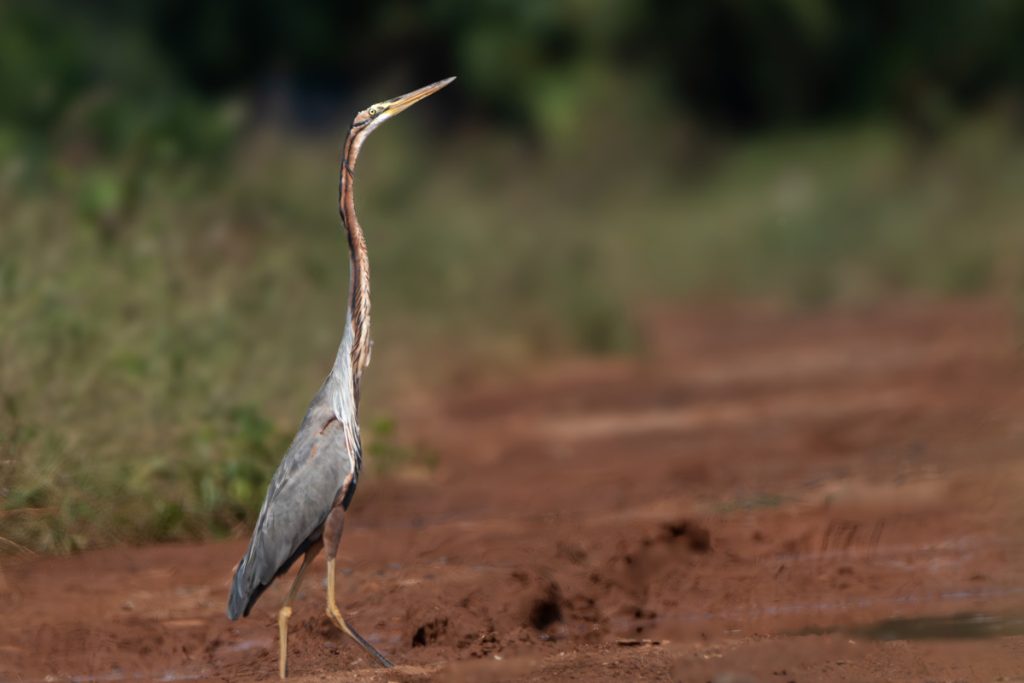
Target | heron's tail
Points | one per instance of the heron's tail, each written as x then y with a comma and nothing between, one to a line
253,576
241,599
247,587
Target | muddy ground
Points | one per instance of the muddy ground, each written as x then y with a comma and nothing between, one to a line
760,497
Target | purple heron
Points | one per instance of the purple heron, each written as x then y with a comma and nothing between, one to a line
304,510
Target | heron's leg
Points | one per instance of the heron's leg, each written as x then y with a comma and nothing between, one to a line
332,537
285,612
335,614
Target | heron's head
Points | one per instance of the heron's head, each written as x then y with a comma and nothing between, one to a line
376,114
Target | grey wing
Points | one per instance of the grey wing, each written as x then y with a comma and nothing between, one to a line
323,456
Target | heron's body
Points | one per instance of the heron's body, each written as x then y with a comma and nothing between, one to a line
318,475
304,510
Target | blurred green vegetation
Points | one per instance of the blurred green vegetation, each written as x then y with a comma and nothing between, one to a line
172,269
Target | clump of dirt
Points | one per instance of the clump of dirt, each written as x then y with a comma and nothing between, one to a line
643,577
442,623
573,552
669,549
698,536
546,609
495,613
541,600
429,632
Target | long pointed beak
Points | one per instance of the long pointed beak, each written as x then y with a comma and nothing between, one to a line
403,102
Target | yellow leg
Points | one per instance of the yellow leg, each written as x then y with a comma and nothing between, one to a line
335,614
282,627
285,612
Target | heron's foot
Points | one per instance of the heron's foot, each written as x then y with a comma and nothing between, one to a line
335,614
282,626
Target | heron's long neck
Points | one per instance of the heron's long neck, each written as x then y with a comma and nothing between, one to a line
357,323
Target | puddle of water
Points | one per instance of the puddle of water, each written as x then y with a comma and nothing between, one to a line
965,625
959,626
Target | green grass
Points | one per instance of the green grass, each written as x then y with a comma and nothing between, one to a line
162,332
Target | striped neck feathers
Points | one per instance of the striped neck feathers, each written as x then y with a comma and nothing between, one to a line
358,316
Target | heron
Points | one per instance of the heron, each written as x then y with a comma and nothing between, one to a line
309,494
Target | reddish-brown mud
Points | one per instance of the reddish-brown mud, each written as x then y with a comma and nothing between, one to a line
762,497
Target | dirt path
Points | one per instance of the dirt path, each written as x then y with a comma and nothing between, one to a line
751,502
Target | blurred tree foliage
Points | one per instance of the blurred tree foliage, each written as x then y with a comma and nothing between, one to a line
740,64
92,87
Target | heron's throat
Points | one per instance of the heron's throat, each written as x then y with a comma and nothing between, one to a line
359,279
